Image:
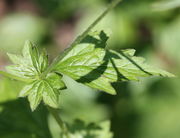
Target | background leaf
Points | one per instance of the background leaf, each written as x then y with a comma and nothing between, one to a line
32,65
92,130
9,89
27,125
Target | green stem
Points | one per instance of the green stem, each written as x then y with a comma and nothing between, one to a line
58,119
81,37
15,77
109,8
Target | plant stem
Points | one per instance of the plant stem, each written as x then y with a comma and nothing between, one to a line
58,119
81,37
109,8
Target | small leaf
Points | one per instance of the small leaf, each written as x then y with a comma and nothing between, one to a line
35,95
16,59
30,66
55,80
41,90
43,61
27,89
50,95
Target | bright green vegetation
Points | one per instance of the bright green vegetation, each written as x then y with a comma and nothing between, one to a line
87,61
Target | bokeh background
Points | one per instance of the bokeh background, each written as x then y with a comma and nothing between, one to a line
146,109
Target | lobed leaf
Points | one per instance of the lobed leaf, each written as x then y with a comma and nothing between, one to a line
46,90
93,65
31,65
88,62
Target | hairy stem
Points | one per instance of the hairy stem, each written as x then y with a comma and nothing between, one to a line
58,119
110,7
81,37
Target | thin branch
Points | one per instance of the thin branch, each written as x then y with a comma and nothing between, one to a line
58,119
81,37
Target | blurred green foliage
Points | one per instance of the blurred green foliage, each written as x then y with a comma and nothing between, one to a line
16,28
146,109
17,121
80,129
9,89
168,39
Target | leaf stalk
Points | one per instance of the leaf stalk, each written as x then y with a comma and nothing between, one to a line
58,119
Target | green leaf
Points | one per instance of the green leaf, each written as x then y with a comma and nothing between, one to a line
9,89
93,65
17,121
80,129
52,85
26,90
50,95
46,90
35,94
30,66
55,80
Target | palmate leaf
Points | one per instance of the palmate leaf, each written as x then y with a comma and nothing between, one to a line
90,63
46,90
30,65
